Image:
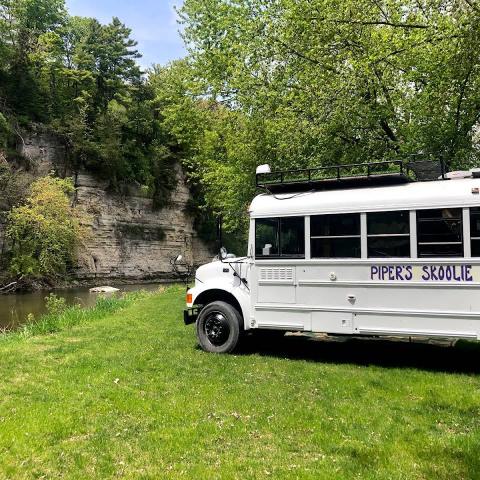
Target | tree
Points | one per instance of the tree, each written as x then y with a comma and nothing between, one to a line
365,79
336,81
22,22
45,232
217,146
109,53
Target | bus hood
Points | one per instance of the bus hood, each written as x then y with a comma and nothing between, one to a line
218,271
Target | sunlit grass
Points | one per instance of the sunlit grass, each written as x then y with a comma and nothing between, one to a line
122,391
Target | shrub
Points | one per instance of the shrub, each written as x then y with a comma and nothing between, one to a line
55,305
44,232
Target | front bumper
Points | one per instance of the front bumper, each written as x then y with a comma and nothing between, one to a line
190,315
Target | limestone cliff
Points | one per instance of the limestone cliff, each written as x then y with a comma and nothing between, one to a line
128,239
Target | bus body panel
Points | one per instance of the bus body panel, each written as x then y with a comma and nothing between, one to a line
344,299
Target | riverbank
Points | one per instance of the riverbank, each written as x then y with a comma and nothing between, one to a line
17,309
62,316
122,391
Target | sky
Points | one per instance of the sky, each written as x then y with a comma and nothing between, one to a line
153,23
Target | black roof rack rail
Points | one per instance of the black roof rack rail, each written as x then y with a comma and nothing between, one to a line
354,175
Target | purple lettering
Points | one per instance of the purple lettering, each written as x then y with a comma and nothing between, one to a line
384,271
398,273
426,273
409,270
468,274
390,273
433,273
373,272
441,273
448,273
456,276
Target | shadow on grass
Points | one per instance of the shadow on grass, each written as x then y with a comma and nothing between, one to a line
442,356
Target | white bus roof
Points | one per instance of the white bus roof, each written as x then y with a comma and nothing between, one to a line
409,196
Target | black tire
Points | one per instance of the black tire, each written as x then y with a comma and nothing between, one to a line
218,327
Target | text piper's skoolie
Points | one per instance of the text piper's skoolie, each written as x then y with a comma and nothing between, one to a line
423,273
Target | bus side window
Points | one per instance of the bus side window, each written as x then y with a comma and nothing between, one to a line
388,234
266,237
440,232
292,237
335,236
280,237
475,230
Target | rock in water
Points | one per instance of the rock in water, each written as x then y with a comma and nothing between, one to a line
104,290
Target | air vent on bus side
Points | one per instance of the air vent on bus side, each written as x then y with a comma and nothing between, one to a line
274,274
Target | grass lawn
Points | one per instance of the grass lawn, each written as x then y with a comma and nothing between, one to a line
126,393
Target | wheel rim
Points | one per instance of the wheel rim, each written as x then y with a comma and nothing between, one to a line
217,329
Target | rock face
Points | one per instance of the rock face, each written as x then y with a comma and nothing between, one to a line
128,239
44,151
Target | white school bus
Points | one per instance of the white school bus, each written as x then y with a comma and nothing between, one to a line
364,254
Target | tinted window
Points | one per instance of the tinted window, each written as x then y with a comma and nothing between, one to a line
292,236
335,236
266,237
475,231
439,233
335,225
280,237
336,248
388,234
385,223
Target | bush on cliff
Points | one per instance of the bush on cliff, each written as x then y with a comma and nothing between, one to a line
45,232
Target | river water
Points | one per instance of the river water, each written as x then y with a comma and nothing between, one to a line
14,309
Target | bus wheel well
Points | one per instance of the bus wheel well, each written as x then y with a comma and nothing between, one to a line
217,295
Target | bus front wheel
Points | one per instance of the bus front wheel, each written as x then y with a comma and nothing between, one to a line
218,327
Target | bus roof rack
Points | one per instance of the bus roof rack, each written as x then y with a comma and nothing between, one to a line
354,175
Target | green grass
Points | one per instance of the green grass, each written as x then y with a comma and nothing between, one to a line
121,391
